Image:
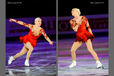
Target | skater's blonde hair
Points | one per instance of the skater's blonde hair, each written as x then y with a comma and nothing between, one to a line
78,10
38,18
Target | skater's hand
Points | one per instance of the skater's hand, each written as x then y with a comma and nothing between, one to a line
51,43
11,20
71,22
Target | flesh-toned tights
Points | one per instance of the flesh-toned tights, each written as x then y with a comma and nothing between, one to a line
27,48
77,44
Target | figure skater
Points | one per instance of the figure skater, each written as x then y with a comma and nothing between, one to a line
29,40
79,24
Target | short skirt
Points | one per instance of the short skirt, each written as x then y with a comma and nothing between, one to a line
84,36
27,38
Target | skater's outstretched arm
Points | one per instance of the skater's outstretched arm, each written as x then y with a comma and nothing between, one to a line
21,23
87,24
46,37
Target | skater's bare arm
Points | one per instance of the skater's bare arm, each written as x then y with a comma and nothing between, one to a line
46,37
21,23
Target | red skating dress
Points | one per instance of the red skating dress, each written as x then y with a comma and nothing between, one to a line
82,32
30,38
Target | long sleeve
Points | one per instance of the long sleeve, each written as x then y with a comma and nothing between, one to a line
23,23
45,35
73,24
87,24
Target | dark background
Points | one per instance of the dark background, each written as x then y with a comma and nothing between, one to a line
35,8
86,7
30,8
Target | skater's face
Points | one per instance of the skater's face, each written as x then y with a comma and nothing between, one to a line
75,12
38,22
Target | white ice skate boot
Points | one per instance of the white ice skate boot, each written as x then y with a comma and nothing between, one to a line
10,60
99,65
26,62
73,64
